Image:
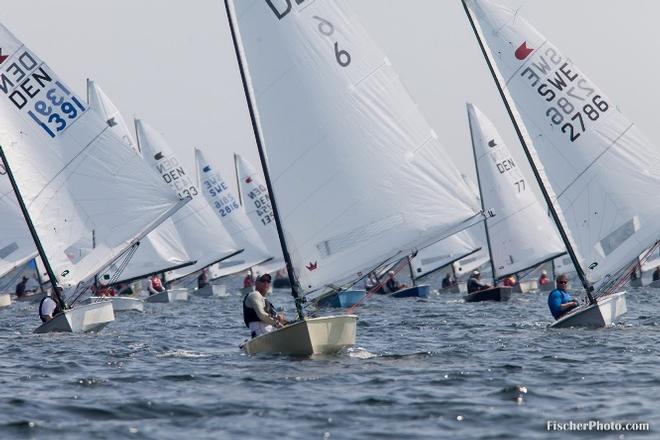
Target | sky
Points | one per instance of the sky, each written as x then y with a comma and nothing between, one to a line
172,63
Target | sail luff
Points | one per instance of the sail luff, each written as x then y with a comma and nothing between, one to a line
262,157
523,141
481,198
33,231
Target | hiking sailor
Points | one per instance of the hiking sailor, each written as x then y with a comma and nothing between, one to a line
559,300
474,283
259,314
48,307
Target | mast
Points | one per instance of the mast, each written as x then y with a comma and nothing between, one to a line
238,180
481,200
412,274
555,216
33,231
262,157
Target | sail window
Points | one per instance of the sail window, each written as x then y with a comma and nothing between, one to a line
350,239
431,260
616,238
8,250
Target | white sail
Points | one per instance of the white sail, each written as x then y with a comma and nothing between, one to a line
358,174
16,244
443,253
220,197
257,206
205,238
99,102
603,172
521,234
88,196
162,249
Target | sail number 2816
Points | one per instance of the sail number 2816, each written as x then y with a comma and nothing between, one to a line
572,122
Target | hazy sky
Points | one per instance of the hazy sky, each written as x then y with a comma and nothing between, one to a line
171,62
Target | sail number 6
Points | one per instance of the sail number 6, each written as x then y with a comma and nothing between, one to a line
328,29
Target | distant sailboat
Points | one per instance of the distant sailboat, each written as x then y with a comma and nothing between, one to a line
204,236
520,236
323,101
74,180
598,173
221,199
162,249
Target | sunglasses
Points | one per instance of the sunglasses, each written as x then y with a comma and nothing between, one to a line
562,282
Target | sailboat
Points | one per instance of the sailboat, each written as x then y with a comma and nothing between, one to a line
598,173
75,182
521,236
232,215
162,249
323,99
205,237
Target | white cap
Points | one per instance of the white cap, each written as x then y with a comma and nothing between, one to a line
475,272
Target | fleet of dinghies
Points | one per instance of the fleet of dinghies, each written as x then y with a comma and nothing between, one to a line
94,205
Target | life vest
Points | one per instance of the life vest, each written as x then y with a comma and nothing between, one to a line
250,315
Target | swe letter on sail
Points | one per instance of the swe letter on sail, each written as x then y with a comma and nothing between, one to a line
281,8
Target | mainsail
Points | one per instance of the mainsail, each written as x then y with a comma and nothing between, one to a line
601,173
521,235
219,196
16,245
89,198
443,253
205,238
162,249
358,176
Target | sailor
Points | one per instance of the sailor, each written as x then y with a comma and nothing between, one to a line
448,281
259,314
20,287
48,307
559,299
474,283
656,274
203,279
247,281
392,284
155,285
509,281
543,279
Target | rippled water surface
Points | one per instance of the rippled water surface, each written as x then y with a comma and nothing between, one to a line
436,368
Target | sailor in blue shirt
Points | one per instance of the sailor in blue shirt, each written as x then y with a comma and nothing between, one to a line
559,299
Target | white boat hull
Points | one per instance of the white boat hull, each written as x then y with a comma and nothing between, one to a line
121,303
5,299
85,318
169,296
211,290
526,286
602,314
324,335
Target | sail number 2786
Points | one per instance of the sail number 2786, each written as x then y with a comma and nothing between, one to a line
572,122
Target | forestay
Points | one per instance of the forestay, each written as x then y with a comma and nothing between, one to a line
357,173
205,238
521,235
162,249
78,180
603,172
16,244
220,197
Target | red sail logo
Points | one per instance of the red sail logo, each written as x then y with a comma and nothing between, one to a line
248,179
523,51
312,266
3,57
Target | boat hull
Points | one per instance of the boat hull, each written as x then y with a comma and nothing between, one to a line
85,318
526,286
324,335
121,303
548,287
493,294
341,299
412,292
211,290
169,296
601,314
5,300
451,289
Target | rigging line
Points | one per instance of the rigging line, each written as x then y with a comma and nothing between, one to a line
396,269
